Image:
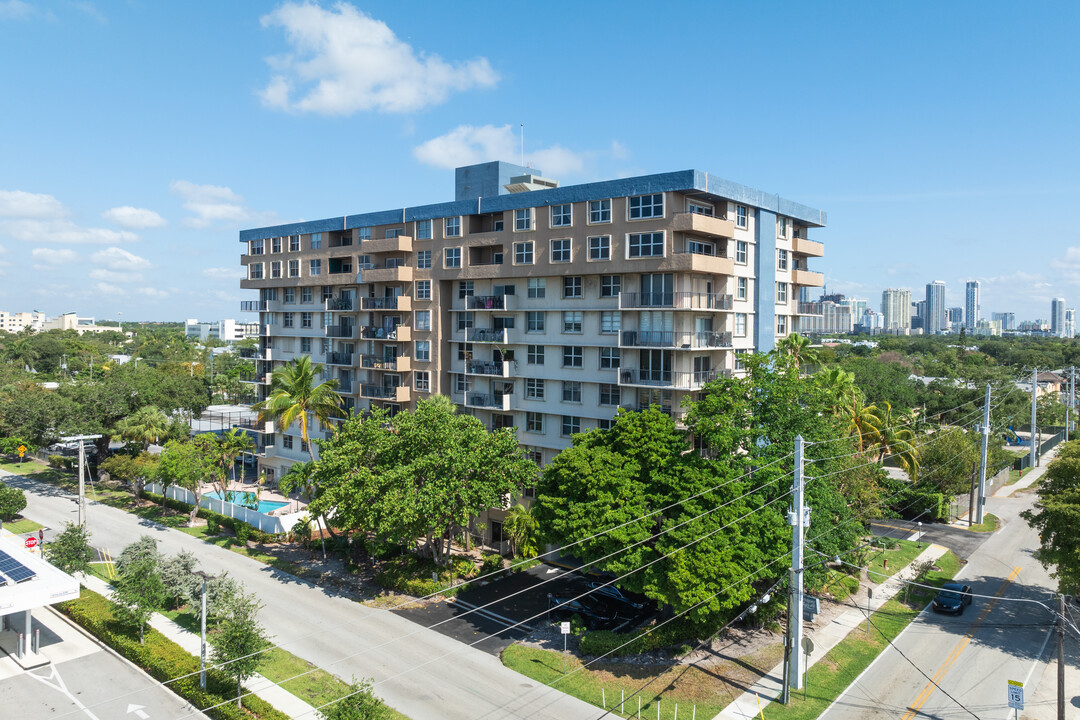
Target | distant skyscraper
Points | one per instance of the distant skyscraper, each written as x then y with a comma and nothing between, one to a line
1070,322
896,309
955,317
1057,317
858,307
935,307
971,305
1007,320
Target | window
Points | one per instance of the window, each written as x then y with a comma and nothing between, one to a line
571,391
286,442
645,245
452,226
306,296
571,321
423,290
255,271
523,253
571,287
700,248
534,388
534,422
305,345
294,243
423,232
523,219
464,289
423,350
610,394
270,294
537,287
422,380
316,241
453,257
646,206
363,233
610,285
561,215
600,211
781,259
600,248
742,287
294,268
699,208
464,351
423,319
571,425
534,355
305,319
740,324
275,245
465,320
741,215
740,252
560,250
462,383
287,320
423,260
605,424
781,227
275,269
739,355
609,358
610,322
289,295
781,324
255,247
572,356
327,292
534,321
392,233
324,345
781,292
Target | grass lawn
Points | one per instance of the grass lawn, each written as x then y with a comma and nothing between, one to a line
904,553
103,571
1015,475
841,665
22,525
990,523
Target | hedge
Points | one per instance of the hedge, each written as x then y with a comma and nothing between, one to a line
163,660
602,642
233,524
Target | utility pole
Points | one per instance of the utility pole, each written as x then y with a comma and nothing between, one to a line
1034,388
799,519
982,459
1061,657
82,472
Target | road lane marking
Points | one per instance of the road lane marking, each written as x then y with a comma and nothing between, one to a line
60,686
1038,659
489,614
927,691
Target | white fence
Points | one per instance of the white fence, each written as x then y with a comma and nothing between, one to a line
266,523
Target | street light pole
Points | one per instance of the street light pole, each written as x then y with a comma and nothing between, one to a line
202,629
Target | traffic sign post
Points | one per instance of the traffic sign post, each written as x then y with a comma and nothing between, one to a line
30,542
1016,696
564,627
808,647
22,452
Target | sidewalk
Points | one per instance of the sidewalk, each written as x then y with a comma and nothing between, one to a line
746,707
1029,479
281,699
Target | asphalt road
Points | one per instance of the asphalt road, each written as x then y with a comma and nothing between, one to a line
970,657
960,540
422,673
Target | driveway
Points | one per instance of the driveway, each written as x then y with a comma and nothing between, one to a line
961,541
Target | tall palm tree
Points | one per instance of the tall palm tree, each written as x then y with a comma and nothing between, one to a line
233,443
146,425
799,348
301,479
294,396
840,384
521,527
863,422
896,439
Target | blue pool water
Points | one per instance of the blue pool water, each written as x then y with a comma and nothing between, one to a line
247,499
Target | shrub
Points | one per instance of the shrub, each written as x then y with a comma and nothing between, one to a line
243,532
60,462
463,567
177,575
492,562
411,575
212,526
602,642
12,501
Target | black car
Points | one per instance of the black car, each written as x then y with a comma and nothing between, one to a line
593,611
953,598
612,594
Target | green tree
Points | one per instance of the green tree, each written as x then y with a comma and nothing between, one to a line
949,461
189,465
179,579
1056,515
799,349
133,470
139,591
295,395
235,442
893,437
12,502
239,637
70,550
147,425
358,703
523,530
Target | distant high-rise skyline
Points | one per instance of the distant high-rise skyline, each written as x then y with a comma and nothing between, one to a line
971,305
935,307
896,308
1007,320
1057,317
1070,322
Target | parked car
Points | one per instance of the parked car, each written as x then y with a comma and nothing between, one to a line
596,613
953,598
612,594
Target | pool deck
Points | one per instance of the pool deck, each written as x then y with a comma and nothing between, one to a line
265,494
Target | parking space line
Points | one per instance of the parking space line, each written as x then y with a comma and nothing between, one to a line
489,615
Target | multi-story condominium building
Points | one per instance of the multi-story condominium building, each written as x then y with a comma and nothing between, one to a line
1070,322
14,322
227,330
829,317
934,320
871,321
1057,317
954,318
858,307
896,307
533,305
972,306
1007,320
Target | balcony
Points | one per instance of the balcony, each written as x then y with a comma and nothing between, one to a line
378,362
485,335
675,301
809,308
670,379
266,354
257,379
254,306
340,331
341,304
488,401
698,262
340,358
807,247
402,303
807,278
393,393
488,302
265,330
711,340
345,411
705,225
384,274
401,243
253,424
344,387
490,369
401,333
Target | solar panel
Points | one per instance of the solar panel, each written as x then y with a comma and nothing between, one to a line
12,568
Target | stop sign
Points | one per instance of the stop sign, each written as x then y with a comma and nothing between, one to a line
30,542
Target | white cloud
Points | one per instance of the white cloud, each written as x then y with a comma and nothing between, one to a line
217,273
210,204
344,61
469,144
90,9
107,289
49,256
152,292
20,204
36,217
117,259
115,276
15,10
134,218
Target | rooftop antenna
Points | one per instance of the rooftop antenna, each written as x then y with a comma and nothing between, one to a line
522,144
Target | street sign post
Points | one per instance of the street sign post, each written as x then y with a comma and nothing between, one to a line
1016,696
564,627
808,647
30,542
22,451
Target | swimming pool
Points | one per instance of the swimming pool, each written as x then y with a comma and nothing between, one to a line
247,499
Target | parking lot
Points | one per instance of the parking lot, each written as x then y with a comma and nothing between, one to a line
519,604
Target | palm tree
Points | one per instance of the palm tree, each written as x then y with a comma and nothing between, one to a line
233,443
840,384
863,422
521,527
146,425
896,439
301,479
294,396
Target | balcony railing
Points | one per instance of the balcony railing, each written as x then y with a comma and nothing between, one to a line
377,362
676,300
339,358
479,367
680,340
371,332
488,401
487,302
670,378
254,306
810,308
383,303
379,392
339,304
340,331
486,335
345,387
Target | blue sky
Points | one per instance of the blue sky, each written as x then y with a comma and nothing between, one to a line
138,137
